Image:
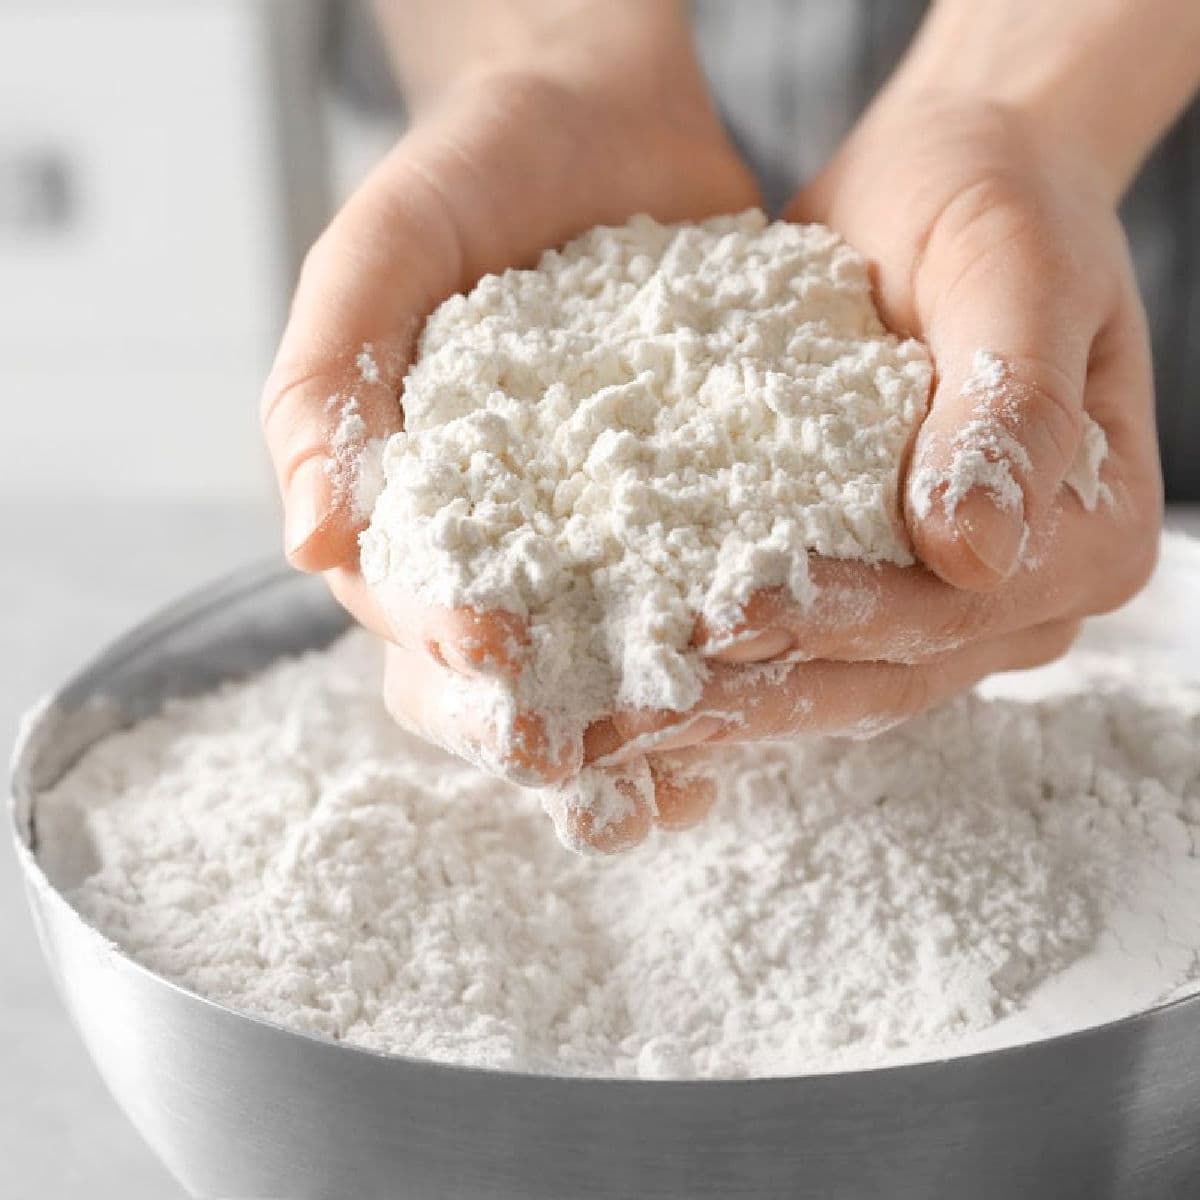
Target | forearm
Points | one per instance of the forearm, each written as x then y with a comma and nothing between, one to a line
1107,77
435,43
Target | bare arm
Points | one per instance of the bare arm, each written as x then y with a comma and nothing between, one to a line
1105,77
434,44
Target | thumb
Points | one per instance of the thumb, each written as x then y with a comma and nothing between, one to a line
333,394
1011,350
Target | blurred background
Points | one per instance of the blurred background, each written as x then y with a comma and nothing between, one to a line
164,164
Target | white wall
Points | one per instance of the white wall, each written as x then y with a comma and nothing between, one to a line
147,239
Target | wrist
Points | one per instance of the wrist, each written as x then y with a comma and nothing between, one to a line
1096,83
438,46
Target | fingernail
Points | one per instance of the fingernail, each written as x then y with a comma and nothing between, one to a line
761,647
994,534
687,733
690,733
307,505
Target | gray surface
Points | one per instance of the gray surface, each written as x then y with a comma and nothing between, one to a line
73,579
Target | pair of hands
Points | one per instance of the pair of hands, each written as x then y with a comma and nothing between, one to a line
982,235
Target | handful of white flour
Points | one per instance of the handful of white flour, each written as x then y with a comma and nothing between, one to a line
652,425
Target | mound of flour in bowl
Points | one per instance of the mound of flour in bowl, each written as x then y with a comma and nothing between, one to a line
1001,868
654,423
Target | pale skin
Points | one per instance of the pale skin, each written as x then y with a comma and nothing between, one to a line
981,186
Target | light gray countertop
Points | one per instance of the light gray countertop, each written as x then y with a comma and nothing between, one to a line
75,576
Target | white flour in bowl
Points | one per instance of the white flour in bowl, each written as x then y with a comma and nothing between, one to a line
1001,868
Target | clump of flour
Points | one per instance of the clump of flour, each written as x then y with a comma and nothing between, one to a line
644,430
997,869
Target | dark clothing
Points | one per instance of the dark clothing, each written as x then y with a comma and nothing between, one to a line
792,76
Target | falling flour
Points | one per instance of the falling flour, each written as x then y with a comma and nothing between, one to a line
650,426
1004,867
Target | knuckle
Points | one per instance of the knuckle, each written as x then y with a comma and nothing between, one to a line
990,217
992,204
527,758
999,217
1051,405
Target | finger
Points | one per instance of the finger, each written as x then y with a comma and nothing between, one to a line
685,788
862,612
478,719
777,700
1010,319
1111,548
333,393
360,601
861,699
603,810
1070,568
465,640
1010,337
623,735
607,810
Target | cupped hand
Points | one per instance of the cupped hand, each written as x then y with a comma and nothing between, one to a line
988,238
497,167
1002,250
982,238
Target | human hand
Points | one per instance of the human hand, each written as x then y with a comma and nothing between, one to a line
983,236
502,161
982,239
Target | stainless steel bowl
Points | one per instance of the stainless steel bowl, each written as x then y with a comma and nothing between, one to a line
237,1107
